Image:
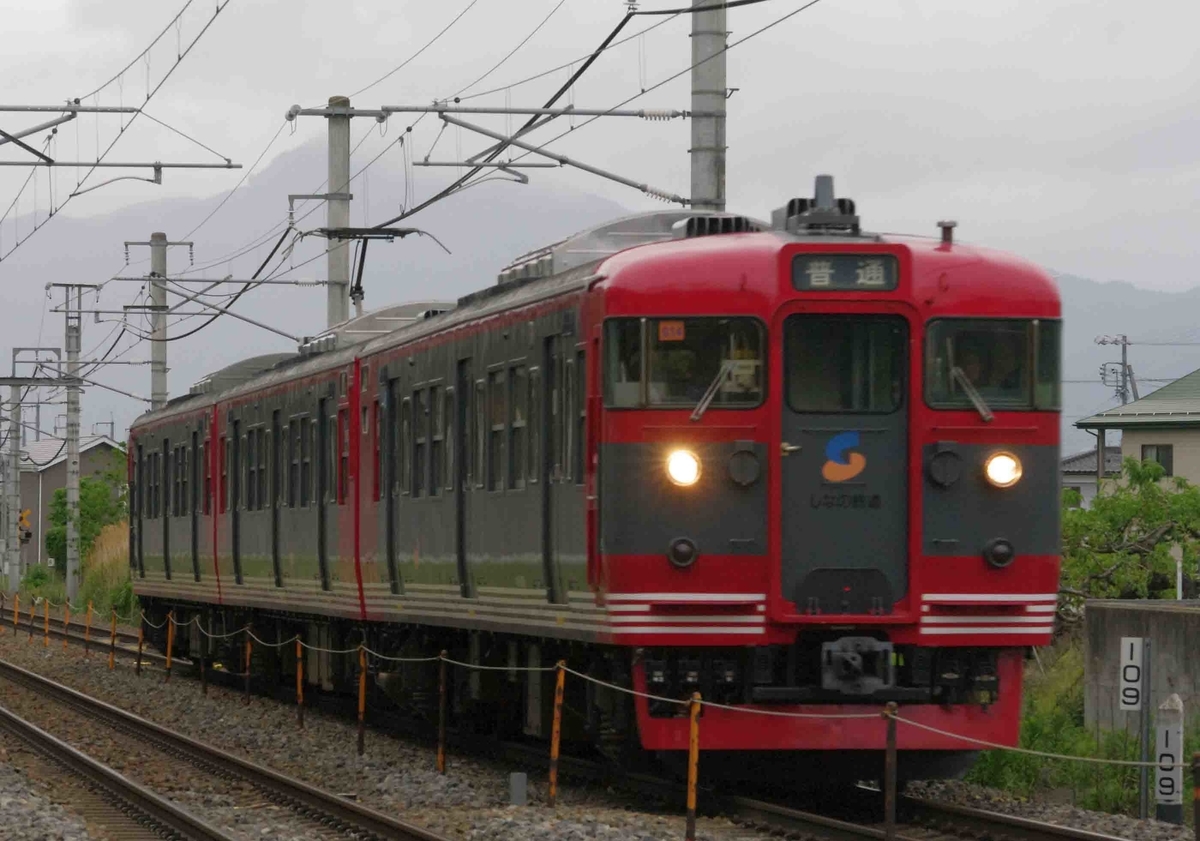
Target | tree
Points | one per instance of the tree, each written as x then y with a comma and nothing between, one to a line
103,500
1125,546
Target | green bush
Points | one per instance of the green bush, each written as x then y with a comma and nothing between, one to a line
42,583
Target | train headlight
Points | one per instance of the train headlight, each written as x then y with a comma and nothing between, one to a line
683,468
1003,470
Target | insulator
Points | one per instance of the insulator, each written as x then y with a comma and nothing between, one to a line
659,194
658,114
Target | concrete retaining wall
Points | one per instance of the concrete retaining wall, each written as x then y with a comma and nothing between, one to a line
1174,629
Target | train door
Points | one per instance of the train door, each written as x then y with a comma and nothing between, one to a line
323,474
193,502
276,500
843,456
391,478
464,388
235,496
166,509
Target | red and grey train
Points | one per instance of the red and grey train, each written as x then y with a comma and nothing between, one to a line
794,466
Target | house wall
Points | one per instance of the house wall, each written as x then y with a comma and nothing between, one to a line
1186,443
92,461
1085,484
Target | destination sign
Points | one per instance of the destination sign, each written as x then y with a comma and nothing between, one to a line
860,272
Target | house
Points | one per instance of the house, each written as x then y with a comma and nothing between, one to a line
1079,471
1163,426
44,471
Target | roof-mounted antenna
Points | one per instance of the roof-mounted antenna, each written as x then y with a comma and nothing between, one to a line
823,213
948,231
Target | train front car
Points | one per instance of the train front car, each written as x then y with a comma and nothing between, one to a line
828,479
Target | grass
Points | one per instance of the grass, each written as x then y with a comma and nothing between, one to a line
1053,722
105,577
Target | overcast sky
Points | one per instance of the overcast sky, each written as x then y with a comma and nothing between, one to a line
1063,131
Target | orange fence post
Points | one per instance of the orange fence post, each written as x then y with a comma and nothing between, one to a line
441,753
46,624
248,650
66,623
16,610
203,657
299,681
3,598
170,642
112,642
141,640
362,696
1196,794
32,616
693,767
556,730
87,632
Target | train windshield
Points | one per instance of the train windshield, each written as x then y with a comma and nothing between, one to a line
679,361
1008,363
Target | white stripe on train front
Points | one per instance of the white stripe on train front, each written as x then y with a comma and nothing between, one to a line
985,620
712,618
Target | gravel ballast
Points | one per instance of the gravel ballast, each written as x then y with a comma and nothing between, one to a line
1063,814
26,815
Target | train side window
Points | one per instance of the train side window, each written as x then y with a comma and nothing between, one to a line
579,416
293,461
518,427
497,425
376,464
420,440
250,456
331,453
534,421
305,461
437,440
479,437
405,449
223,457
264,496
554,393
448,442
166,476
185,475
566,419
343,454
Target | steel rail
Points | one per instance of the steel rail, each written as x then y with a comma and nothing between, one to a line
165,816
287,790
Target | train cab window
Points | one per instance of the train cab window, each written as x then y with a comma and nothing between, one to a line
1006,363
497,425
684,360
518,427
838,363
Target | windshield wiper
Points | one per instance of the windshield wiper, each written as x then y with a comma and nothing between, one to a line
972,393
710,393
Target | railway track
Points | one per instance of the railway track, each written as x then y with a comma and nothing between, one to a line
325,815
102,796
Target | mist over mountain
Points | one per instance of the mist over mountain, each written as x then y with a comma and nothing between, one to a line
484,228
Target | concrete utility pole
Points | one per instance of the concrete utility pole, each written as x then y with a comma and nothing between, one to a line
709,92
13,490
158,320
73,310
337,208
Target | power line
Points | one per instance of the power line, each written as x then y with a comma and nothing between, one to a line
414,56
514,50
142,54
121,132
241,181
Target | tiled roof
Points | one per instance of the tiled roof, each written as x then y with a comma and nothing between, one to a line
1175,404
36,456
1085,463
